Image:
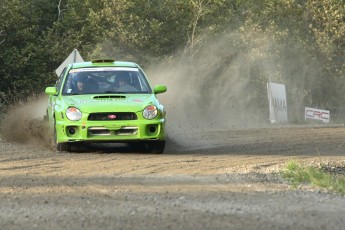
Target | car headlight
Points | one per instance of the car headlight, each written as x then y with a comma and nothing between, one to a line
73,114
150,112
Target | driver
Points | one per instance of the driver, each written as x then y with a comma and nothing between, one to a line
84,83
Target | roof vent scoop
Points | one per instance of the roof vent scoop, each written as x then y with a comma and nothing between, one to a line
103,61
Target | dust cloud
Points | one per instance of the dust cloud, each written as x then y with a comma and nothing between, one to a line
24,123
220,87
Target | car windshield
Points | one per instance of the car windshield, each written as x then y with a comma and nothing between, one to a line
105,80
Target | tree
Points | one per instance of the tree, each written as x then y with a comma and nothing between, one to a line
38,36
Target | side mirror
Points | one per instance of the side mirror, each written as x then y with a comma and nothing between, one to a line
51,91
159,89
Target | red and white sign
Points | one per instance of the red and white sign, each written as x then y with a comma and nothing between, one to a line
317,114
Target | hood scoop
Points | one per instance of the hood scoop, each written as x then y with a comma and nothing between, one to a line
109,97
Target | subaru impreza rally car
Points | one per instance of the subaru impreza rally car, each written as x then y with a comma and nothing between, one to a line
106,101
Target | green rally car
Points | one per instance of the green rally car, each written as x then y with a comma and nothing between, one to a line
106,101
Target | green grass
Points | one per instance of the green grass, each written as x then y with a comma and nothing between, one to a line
298,174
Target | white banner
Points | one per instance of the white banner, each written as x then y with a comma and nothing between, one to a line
277,102
317,114
72,58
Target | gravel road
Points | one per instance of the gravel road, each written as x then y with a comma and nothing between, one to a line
224,179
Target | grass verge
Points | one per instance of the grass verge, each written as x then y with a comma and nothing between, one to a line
320,176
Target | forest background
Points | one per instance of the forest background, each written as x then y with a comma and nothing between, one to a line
300,43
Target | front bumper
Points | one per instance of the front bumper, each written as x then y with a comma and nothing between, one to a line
110,131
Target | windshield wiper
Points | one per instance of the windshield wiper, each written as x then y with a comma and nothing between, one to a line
110,92
117,92
125,92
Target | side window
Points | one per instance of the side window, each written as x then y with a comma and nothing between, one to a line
59,81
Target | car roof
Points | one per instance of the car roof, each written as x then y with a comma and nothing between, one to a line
102,64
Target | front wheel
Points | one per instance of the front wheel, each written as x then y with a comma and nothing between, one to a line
61,146
156,147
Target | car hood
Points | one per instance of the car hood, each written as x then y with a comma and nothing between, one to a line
110,103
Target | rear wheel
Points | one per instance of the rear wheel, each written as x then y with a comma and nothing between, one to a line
155,146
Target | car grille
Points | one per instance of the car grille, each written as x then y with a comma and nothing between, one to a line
103,131
112,116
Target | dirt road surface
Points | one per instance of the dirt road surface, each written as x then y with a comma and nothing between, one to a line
224,179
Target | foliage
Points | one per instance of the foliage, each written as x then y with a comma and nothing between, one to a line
298,174
37,36
300,43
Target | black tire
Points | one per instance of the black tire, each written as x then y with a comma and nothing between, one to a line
61,146
156,147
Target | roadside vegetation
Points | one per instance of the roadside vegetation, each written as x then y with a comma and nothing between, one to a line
299,43
326,176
